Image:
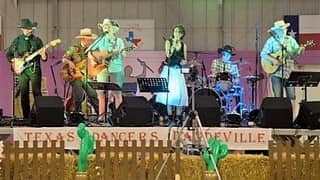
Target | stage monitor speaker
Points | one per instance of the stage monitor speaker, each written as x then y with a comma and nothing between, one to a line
47,111
208,109
275,112
134,111
309,115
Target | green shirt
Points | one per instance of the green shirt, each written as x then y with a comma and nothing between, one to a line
76,53
115,64
22,45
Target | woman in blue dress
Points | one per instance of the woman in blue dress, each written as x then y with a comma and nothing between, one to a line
176,55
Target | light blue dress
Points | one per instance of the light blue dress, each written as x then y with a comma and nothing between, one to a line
178,95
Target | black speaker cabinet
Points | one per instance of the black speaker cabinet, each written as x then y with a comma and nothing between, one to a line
47,111
275,112
309,115
208,108
134,111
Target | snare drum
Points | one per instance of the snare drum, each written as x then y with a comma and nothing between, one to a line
223,81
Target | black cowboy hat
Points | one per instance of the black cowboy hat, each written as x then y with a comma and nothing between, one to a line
27,24
227,48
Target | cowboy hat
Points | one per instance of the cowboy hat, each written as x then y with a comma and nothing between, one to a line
86,33
281,23
109,22
227,48
27,24
277,25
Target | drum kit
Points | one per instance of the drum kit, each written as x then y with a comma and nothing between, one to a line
222,87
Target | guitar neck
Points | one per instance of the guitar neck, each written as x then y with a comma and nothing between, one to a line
29,58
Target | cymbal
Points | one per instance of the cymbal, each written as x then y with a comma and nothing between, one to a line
252,77
239,63
193,63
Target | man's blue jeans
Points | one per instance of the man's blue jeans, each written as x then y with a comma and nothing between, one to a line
276,88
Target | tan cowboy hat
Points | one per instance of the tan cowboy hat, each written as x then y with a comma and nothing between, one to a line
280,24
86,33
110,22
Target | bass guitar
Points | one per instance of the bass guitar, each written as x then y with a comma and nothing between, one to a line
276,59
101,59
18,65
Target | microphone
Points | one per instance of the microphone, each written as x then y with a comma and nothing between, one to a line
56,63
104,33
272,33
139,60
164,38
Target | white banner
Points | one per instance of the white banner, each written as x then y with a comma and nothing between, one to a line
140,32
235,138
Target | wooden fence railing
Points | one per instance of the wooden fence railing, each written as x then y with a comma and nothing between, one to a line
40,161
137,162
294,160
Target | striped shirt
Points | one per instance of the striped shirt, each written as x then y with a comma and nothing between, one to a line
219,66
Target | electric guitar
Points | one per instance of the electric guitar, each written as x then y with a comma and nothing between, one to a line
20,64
69,74
101,59
276,59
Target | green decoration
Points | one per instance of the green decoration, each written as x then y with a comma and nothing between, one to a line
218,151
86,147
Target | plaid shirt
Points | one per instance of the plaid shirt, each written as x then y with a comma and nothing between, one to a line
273,46
219,66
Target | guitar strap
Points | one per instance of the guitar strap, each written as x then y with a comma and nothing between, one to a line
32,47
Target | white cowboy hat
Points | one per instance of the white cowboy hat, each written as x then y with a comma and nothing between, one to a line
109,22
86,33
280,24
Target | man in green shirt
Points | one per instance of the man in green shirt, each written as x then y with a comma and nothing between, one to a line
23,45
74,56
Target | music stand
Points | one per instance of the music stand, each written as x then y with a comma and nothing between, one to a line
153,85
303,79
106,86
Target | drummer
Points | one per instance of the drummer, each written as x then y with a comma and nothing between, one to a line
224,71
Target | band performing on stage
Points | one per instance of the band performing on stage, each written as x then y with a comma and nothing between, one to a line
94,69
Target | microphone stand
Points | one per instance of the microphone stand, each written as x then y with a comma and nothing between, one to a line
284,62
204,73
145,64
254,90
95,42
54,80
54,77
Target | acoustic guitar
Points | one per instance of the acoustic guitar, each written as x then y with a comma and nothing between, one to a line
101,59
276,59
69,74
20,64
